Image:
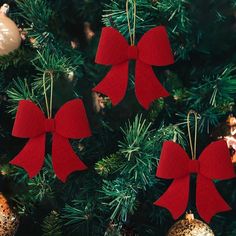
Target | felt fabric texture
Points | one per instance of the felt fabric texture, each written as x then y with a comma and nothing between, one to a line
213,163
69,122
153,49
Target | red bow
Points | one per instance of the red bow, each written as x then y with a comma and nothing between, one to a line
152,49
213,163
69,122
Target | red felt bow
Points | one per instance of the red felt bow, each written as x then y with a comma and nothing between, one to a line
69,122
213,163
152,49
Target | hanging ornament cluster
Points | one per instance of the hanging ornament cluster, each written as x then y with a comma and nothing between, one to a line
9,221
153,49
70,122
190,227
213,163
10,38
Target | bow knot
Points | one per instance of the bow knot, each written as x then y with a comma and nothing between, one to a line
50,125
69,122
194,166
153,49
213,163
132,52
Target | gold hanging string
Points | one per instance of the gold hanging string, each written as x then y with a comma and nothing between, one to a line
193,148
48,104
131,35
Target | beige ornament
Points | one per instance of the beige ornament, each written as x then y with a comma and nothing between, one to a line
88,31
99,102
190,227
10,38
9,221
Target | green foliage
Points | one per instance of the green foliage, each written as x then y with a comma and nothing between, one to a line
55,61
121,196
15,59
41,187
137,149
52,225
19,91
212,98
215,90
107,165
170,132
38,15
35,190
81,217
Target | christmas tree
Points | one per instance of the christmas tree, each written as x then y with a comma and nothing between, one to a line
115,195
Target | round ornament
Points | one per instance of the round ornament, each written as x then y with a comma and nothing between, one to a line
8,219
190,227
10,38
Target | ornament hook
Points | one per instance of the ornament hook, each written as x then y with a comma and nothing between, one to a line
48,106
131,34
193,148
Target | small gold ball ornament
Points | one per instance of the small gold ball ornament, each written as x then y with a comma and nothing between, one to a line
190,227
10,38
9,221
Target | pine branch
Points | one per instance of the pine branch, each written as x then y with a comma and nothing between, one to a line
120,196
108,165
38,15
212,98
137,149
215,89
52,225
80,216
41,186
15,59
55,61
20,91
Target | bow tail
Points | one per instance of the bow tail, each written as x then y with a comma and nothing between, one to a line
147,86
175,199
208,200
64,160
114,85
31,157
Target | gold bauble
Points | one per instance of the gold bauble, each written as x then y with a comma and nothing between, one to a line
10,38
190,227
8,219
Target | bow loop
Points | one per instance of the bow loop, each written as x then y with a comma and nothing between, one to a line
29,120
215,161
154,47
112,48
71,120
173,161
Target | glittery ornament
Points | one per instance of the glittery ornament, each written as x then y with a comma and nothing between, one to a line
190,227
8,219
10,38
